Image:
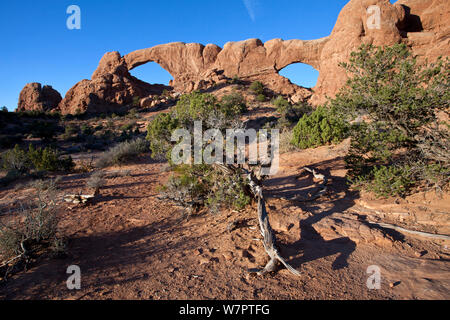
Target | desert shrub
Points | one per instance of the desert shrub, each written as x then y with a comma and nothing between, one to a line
136,101
16,160
235,80
290,113
128,126
123,152
233,104
133,114
159,132
48,185
321,127
96,181
69,131
44,130
399,101
385,181
286,136
86,129
197,186
193,107
34,225
72,129
48,159
257,88
21,161
261,98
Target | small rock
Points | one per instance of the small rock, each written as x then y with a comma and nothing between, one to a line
420,254
394,284
228,255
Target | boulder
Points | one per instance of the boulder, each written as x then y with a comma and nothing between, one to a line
35,97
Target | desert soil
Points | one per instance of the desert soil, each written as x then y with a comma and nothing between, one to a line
131,245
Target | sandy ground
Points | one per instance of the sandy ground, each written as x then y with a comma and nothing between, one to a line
131,245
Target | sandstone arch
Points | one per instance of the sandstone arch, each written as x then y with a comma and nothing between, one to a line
195,66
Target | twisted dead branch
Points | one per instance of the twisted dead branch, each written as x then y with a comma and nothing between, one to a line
269,239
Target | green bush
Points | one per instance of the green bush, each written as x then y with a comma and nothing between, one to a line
159,132
86,129
319,128
44,130
48,159
399,101
193,107
233,104
21,161
16,160
386,181
257,88
261,98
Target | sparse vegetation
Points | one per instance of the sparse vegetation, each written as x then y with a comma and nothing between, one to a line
96,182
257,88
233,104
401,143
194,107
123,153
18,162
290,113
33,228
196,186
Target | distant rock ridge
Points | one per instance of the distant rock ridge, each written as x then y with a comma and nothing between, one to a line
421,24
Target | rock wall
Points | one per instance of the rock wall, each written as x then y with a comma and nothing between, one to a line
421,24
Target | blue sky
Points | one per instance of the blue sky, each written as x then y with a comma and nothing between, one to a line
38,47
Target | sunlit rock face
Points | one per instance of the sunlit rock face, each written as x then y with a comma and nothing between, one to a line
421,24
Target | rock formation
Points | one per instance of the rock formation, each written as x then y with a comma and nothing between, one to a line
421,24
110,87
34,97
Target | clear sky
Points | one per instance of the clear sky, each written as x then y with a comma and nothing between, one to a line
37,46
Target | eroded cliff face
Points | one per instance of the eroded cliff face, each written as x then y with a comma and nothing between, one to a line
421,24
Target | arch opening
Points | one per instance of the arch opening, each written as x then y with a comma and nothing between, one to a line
152,73
301,74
